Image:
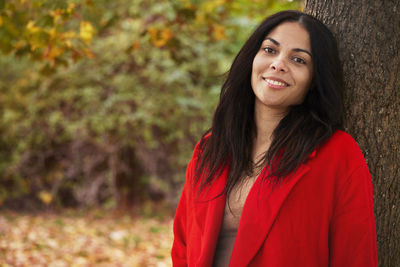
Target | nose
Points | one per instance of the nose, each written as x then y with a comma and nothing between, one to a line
279,65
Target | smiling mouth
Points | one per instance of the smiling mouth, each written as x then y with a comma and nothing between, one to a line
275,83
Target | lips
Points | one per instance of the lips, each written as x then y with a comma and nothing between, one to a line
275,82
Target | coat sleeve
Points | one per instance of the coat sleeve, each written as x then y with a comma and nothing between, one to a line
182,220
179,248
352,229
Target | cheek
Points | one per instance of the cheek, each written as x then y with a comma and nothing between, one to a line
254,72
305,87
257,69
258,64
305,80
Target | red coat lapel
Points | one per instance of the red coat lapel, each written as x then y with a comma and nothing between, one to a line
209,210
259,213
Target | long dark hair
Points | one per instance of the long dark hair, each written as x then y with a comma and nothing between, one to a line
298,134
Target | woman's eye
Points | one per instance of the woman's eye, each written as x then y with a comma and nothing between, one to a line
269,50
299,60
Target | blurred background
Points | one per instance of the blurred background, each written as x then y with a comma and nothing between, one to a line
101,104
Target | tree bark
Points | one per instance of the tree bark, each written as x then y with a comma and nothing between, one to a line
368,35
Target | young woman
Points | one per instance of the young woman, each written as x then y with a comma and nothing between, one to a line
275,182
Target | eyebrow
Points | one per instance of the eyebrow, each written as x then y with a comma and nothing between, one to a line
294,49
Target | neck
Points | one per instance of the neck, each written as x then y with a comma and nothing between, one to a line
266,120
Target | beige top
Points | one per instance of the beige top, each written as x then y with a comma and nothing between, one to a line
230,222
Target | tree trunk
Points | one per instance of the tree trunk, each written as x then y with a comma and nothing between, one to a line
368,34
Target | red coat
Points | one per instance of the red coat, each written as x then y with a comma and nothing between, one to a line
322,216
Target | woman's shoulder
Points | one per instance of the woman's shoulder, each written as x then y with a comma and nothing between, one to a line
342,139
197,150
200,145
341,146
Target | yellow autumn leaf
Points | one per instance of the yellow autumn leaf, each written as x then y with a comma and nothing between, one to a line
187,4
53,33
56,14
219,32
68,43
165,36
19,44
200,17
52,52
160,38
86,31
35,44
45,197
1,21
69,35
135,45
153,32
88,53
71,7
31,27
210,6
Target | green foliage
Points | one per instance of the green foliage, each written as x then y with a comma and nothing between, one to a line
104,99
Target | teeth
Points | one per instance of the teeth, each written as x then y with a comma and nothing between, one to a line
276,82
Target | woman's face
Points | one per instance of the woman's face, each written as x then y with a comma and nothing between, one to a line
283,67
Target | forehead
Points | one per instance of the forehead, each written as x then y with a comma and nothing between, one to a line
290,34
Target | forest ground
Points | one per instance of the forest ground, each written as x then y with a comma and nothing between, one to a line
84,238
